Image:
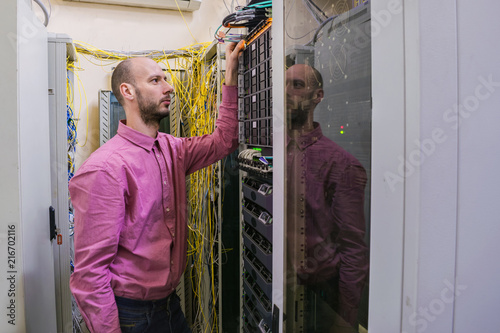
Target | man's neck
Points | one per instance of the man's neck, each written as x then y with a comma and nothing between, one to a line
297,131
136,123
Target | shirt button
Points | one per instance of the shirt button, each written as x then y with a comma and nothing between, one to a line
165,182
172,262
173,234
168,209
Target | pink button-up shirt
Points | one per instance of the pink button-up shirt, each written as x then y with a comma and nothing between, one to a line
325,197
129,200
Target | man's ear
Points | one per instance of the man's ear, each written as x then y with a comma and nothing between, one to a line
128,91
318,95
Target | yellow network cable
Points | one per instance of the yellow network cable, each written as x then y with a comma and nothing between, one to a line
201,117
71,67
180,12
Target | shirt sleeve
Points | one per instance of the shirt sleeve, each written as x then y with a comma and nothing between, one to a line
99,207
348,209
202,151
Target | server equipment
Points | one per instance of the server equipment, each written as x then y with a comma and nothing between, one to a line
256,163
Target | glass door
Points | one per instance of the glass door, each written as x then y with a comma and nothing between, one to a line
327,164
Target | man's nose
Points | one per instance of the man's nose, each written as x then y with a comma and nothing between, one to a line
168,89
287,88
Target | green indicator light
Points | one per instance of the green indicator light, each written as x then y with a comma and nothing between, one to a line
257,149
341,132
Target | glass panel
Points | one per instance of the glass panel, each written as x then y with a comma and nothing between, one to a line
328,108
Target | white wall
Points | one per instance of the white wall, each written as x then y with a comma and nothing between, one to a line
478,228
457,275
123,28
435,141
436,77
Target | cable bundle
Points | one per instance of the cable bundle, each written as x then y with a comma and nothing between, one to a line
252,161
249,16
70,122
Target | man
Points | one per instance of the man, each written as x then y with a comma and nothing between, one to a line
129,199
327,255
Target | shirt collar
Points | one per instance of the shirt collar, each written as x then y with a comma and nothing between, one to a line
305,140
142,140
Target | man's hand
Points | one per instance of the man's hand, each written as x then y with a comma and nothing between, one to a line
232,52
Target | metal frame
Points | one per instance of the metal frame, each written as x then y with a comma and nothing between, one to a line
387,203
60,48
279,176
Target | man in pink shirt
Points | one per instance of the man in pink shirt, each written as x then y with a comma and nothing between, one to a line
129,200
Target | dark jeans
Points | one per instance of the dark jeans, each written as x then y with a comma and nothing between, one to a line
159,316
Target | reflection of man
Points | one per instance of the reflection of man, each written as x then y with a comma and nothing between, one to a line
130,205
325,219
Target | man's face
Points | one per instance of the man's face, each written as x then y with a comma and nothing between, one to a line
300,93
153,92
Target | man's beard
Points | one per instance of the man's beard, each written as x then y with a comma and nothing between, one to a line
298,117
150,111
298,112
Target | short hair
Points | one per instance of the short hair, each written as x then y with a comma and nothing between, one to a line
122,74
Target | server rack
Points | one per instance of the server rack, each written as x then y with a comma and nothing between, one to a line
255,163
110,114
